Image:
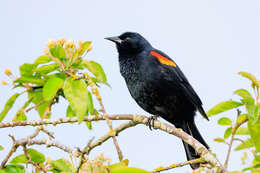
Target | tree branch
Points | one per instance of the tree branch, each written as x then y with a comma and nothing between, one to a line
160,169
104,138
64,120
206,156
11,152
30,141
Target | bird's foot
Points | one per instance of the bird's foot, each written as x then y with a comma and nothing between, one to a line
150,121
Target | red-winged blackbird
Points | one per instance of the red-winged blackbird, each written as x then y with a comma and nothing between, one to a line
158,85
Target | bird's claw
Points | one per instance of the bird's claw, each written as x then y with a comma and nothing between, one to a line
150,121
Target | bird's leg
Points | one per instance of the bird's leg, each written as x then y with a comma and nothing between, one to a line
150,121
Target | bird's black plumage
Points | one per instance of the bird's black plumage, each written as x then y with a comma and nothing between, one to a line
158,85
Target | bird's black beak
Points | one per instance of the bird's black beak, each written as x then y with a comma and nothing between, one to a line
114,39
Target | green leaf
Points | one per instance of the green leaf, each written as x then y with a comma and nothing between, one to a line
227,132
122,167
242,131
246,144
19,159
34,155
42,60
20,116
224,121
27,103
47,68
76,92
62,166
70,112
13,168
58,75
241,118
221,140
1,147
223,106
9,104
250,77
30,79
58,52
246,169
27,69
90,104
89,125
85,46
37,98
51,87
250,106
123,163
96,69
243,93
254,131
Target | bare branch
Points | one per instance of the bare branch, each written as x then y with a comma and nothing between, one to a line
172,166
104,138
50,134
82,158
35,133
11,152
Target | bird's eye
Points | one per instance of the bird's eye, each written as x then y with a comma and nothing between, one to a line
127,39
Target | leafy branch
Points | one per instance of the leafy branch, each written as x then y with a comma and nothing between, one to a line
246,124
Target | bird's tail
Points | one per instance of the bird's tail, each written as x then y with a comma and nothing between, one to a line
190,128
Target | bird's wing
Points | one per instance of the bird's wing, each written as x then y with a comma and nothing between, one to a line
187,89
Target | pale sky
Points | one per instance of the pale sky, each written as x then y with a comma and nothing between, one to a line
210,40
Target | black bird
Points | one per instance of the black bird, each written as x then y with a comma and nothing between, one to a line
158,86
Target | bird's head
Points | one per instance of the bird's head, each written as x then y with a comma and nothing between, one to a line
129,42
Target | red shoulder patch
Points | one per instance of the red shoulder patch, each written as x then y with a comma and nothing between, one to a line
162,59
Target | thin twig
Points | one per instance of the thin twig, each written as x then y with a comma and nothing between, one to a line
238,139
35,106
84,151
50,134
95,91
234,129
172,166
28,159
104,138
13,149
35,133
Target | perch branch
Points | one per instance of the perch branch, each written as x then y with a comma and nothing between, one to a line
206,156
